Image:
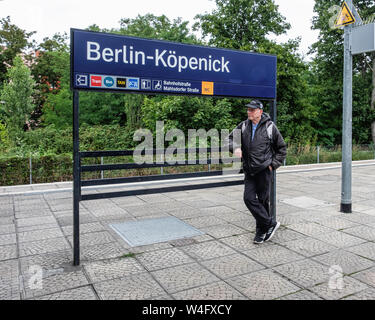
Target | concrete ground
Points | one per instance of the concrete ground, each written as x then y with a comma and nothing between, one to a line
318,252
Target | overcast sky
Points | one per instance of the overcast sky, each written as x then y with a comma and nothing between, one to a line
50,16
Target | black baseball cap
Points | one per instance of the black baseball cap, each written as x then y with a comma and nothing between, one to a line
255,104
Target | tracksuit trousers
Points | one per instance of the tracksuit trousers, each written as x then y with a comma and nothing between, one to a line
257,198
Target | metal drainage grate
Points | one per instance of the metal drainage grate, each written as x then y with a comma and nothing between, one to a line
150,231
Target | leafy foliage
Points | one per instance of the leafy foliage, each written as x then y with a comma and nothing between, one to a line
16,98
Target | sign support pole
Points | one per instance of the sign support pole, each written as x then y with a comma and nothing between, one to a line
346,187
76,178
273,186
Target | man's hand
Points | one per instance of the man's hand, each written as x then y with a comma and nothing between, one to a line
270,168
238,153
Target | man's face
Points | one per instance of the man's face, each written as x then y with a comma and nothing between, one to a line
254,114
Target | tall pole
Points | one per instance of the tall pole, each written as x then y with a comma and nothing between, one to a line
76,178
273,186
346,180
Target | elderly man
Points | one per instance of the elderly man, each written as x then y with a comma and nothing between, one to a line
262,150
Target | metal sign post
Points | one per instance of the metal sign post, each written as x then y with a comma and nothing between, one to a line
346,188
358,38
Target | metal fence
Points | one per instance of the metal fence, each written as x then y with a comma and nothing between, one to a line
35,169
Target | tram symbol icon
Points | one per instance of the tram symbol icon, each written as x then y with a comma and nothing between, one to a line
156,85
81,80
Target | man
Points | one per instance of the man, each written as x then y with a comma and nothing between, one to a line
262,150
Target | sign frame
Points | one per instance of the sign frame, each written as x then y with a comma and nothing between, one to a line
186,45
77,155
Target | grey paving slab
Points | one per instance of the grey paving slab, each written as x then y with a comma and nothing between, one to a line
273,255
102,251
309,247
134,287
283,235
111,269
366,250
301,295
53,283
8,239
35,221
161,259
207,250
214,291
9,283
8,252
39,235
305,202
289,219
47,261
93,238
37,227
185,212
349,286
82,293
200,203
84,228
235,216
310,228
263,285
338,239
207,221
243,242
337,223
232,265
367,294
223,231
183,277
305,273
347,261
248,224
68,220
363,232
6,220
366,276
43,246
216,210
360,218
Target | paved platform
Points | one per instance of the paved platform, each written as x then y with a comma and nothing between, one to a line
318,252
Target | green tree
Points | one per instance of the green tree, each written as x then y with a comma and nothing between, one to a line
157,27
247,25
13,41
241,24
327,83
16,98
51,62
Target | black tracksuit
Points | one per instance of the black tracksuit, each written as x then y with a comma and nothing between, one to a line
257,155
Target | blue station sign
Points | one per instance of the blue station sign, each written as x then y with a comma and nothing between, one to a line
102,61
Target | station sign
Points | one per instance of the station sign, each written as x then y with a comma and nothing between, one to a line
111,62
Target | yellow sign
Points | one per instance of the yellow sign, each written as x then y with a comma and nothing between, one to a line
345,16
208,88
